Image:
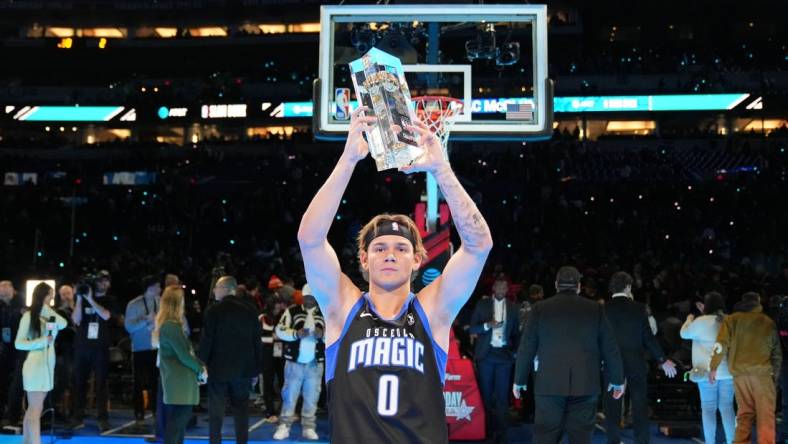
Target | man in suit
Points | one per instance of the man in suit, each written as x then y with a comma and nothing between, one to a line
566,341
495,322
230,347
634,336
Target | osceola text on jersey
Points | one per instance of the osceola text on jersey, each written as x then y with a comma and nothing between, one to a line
387,347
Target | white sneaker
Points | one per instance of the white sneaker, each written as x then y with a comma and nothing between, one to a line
309,434
282,432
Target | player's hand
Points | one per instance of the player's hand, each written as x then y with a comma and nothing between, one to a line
618,390
433,159
712,376
669,368
356,148
494,324
518,389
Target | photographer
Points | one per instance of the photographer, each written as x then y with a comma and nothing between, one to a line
93,315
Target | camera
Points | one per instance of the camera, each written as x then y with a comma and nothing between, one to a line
86,283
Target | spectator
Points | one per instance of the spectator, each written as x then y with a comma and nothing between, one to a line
495,321
703,332
230,347
302,328
140,320
748,339
535,294
180,370
273,359
629,320
10,359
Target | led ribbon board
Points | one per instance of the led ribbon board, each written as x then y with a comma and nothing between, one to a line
579,104
72,113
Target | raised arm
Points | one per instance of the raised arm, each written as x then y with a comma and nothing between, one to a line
323,272
690,329
76,315
445,296
22,342
48,313
134,319
284,329
104,313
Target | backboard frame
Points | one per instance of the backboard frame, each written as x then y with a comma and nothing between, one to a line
540,129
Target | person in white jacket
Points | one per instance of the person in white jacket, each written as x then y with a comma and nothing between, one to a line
38,329
713,396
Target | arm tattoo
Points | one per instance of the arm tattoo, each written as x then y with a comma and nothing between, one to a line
470,224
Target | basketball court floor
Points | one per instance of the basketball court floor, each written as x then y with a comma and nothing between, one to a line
125,432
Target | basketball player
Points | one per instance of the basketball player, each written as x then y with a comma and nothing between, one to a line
387,348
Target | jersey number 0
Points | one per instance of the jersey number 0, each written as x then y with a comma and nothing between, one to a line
388,395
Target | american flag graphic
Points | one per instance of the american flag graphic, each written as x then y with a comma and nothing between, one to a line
519,111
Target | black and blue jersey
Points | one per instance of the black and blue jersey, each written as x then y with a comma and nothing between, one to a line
385,378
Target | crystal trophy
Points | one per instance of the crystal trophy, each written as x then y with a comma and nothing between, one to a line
379,81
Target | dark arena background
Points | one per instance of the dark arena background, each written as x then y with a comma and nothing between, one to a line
147,138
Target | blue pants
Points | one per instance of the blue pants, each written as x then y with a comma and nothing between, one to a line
495,383
713,397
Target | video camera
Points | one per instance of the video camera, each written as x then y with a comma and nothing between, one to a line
86,284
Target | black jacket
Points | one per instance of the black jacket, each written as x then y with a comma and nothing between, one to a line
10,314
484,313
572,339
230,344
633,334
292,320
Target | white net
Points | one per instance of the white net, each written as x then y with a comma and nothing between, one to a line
438,113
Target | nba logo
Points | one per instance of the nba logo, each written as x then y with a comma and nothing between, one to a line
342,104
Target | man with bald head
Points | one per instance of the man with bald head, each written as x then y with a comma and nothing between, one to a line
230,347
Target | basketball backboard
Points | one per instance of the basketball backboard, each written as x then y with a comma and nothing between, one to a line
492,57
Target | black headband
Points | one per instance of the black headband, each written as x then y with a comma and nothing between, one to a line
389,227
